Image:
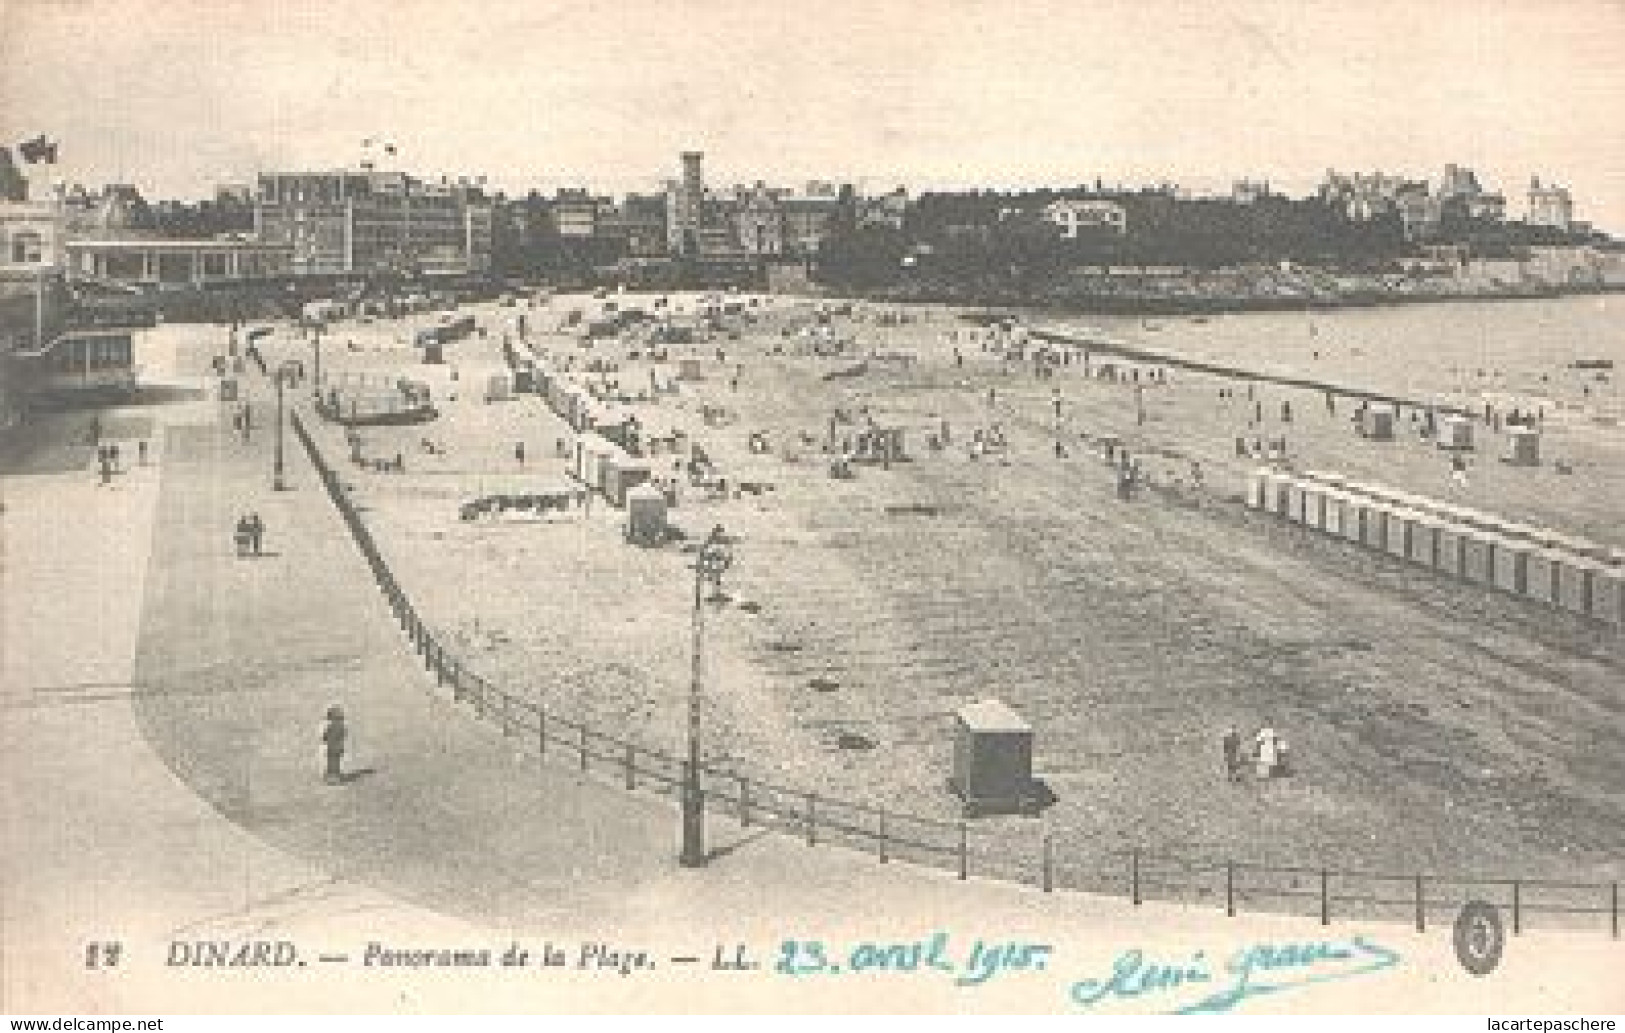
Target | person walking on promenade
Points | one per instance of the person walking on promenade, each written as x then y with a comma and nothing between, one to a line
1233,760
333,737
256,533
141,451
242,536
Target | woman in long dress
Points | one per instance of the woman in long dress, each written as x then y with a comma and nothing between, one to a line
1267,751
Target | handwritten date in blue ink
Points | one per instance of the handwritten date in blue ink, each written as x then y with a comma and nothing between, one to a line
985,960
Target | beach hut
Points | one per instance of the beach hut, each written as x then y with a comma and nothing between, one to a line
622,473
1297,500
1258,485
1478,556
1542,572
1608,594
1314,504
1279,501
1357,510
498,388
993,756
1577,583
1512,564
1456,432
645,515
689,368
1396,530
589,458
1523,447
1377,422
1374,531
604,456
1422,543
1449,552
1334,510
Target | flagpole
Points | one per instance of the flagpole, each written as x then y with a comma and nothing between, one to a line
39,309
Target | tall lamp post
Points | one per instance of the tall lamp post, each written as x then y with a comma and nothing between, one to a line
316,371
713,561
278,479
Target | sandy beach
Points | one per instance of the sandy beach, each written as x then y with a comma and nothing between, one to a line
1435,727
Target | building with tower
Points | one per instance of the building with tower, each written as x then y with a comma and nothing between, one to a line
685,208
1550,205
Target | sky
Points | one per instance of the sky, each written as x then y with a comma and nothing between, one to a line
179,95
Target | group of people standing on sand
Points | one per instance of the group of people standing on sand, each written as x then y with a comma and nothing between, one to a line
249,535
1266,753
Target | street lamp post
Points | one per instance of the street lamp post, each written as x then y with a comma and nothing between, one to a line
278,480
710,564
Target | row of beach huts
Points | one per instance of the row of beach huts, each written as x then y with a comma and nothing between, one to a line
598,460
1536,563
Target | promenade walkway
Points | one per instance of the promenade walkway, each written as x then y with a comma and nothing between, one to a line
161,705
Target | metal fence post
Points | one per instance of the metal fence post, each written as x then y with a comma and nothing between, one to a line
1421,908
1049,862
1517,907
1230,889
964,853
1134,877
1325,897
631,769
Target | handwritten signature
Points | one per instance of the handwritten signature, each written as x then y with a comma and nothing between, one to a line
1253,971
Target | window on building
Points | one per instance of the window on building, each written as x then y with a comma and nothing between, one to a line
27,246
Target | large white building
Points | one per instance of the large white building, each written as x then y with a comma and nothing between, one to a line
1077,216
361,221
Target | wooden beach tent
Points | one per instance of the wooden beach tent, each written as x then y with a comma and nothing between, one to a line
993,759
